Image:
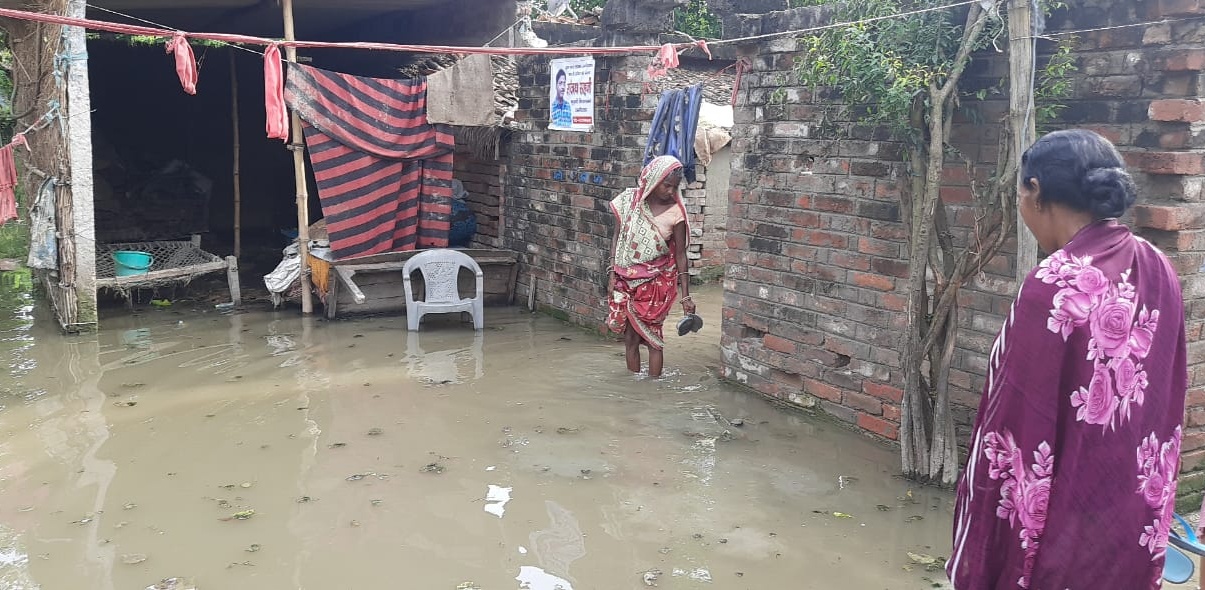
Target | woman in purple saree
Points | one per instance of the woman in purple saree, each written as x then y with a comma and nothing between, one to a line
1070,480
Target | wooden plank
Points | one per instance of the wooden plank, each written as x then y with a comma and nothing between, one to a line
159,275
332,295
236,292
1021,63
348,278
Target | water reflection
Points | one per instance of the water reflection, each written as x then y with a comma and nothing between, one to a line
457,359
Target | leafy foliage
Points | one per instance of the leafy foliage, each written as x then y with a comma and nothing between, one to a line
888,65
695,19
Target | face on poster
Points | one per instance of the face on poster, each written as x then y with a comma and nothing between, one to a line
572,94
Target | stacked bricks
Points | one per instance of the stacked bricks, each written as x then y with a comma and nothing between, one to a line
484,182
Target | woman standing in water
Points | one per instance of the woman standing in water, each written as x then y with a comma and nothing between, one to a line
1070,481
648,256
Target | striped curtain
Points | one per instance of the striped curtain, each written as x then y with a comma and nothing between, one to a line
384,174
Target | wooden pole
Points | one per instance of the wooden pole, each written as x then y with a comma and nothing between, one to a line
238,183
1021,64
303,197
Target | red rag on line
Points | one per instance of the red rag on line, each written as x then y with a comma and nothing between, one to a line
667,59
186,62
8,180
274,95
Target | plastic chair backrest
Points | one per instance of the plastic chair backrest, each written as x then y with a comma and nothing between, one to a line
441,273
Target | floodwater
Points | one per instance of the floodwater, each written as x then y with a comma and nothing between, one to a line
264,451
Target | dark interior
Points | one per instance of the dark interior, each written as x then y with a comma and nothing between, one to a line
152,141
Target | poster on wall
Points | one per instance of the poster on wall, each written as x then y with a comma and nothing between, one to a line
572,93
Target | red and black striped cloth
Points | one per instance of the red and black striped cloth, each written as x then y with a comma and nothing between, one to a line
384,174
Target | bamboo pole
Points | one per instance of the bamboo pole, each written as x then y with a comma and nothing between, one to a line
238,183
1021,62
303,197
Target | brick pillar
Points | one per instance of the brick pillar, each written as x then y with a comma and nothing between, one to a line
1172,209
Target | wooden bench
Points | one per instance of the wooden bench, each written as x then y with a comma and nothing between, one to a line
373,284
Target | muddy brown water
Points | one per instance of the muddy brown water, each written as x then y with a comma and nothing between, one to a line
523,457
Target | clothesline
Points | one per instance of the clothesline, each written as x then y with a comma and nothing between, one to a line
127,29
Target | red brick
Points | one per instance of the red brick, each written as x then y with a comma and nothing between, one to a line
822,390
878,426
1170,218
956,195
891,413
1168,8
863,403
849,260
892,302
1177,109
955,176
1196,397
1177,163
1192,441
1192,461
884,392
778,344
1181,60
1195,417
870,281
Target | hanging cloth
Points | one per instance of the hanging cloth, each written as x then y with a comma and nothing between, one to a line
675,124
274,95
384,173
43,243
8,180
463,94
186,62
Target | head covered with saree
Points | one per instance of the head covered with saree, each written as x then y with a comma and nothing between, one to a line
644,262
640,246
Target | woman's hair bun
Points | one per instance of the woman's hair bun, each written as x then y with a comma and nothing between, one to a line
1108,192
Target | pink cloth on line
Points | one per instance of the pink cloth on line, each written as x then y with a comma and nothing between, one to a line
186,62
667,59
8,181
274,95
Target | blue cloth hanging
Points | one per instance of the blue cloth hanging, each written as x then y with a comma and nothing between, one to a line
674,126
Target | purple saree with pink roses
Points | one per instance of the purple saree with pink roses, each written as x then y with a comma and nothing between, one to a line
1070,479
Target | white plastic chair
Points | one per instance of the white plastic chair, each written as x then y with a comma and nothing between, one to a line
441,269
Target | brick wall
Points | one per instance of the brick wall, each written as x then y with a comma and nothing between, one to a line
484,181
816,269
561,225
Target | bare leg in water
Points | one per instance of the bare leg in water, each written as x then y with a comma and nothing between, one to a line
631,345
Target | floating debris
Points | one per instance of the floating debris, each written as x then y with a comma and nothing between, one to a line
436,468
133,558
650,577
359,476
246,485
375,432
304,499
126,404
883,508
566,430
173,584
496,499
534,578
929,562
697,574
842,515
129,506
914,518
468,586
244,515
254,548
338,445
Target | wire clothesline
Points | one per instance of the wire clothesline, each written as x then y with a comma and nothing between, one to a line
165,27
233,39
